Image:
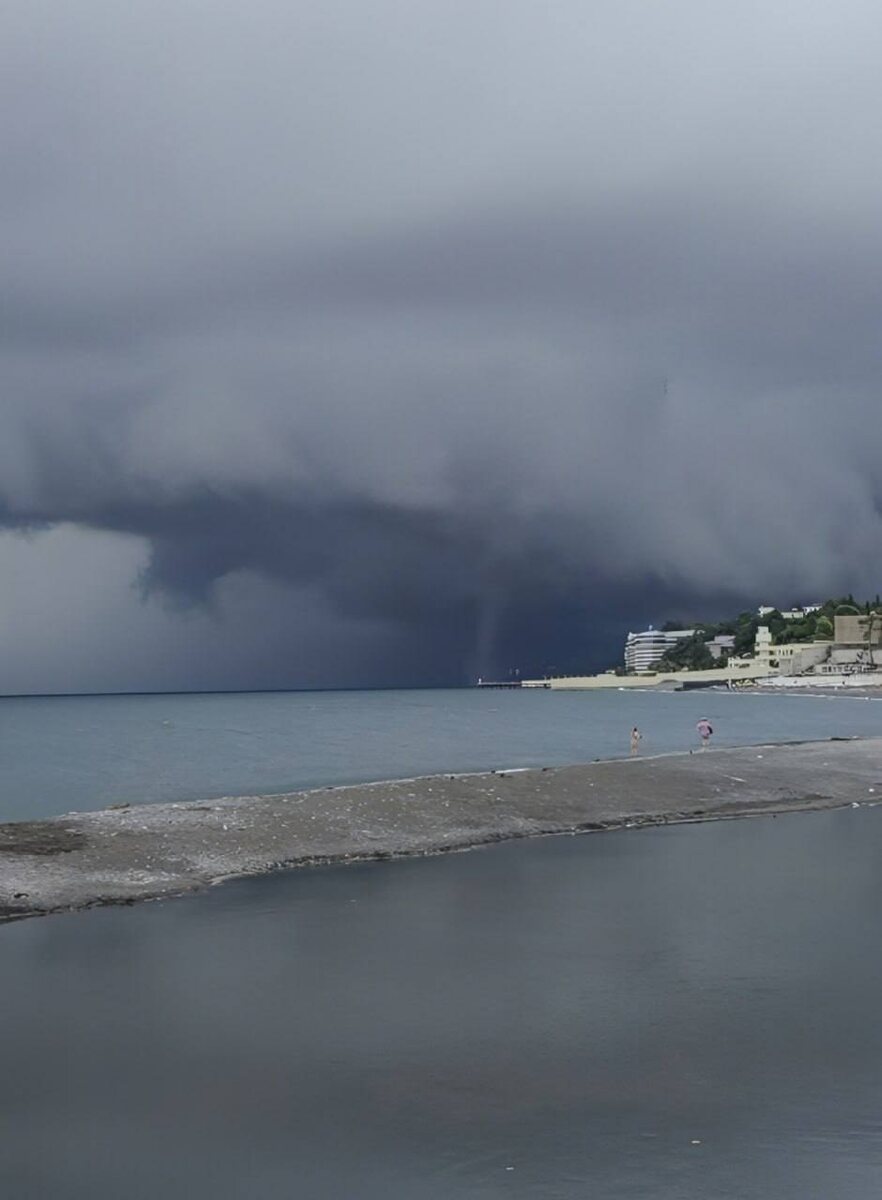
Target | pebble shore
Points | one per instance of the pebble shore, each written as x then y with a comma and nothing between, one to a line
130,853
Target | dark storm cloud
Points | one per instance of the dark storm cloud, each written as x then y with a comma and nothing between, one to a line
484,324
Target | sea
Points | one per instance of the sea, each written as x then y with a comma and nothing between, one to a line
677,1013
72,753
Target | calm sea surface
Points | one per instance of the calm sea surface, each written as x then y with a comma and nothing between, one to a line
73,753
680,1014
674,1013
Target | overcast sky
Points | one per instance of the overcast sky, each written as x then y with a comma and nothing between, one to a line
401,342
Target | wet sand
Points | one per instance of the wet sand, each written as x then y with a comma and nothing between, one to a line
125,854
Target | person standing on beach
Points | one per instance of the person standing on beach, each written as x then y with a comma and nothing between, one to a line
636,735
704,732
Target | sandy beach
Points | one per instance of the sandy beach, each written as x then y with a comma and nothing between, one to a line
133,853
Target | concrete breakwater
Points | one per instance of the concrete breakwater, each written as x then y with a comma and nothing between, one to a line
130,853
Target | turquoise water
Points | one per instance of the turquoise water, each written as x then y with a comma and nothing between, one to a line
669,1014
62,754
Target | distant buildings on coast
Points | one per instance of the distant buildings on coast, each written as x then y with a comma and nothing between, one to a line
844,655
789,614
642,650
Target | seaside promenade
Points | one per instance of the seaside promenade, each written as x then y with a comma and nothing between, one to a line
126,854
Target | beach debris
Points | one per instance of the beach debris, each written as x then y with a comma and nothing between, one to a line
854,804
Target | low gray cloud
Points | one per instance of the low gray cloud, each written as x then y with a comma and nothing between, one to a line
487,330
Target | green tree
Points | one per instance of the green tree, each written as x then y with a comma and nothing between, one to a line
689,654
745,636
777,625
823,627
797,631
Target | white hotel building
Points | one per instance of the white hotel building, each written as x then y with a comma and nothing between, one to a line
644,649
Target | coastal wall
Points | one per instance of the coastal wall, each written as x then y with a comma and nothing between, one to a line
854,680
746,672
122,855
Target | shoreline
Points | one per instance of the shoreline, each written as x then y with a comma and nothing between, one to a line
127,854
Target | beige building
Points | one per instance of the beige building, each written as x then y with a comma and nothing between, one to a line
849,652
854,630
790,658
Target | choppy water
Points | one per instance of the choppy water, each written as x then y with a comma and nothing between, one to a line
676,1013
71,753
